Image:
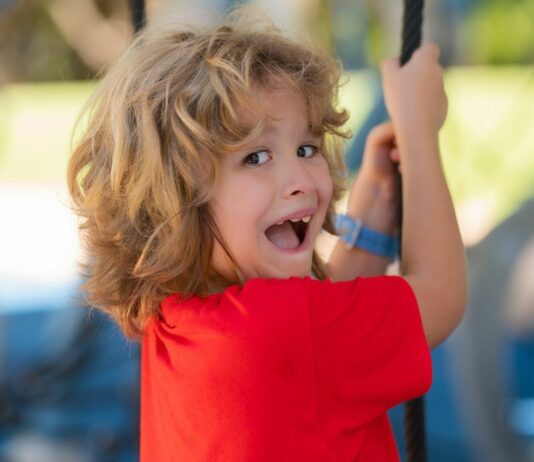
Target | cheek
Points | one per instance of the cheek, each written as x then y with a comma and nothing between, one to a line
329,188
240,203
326,186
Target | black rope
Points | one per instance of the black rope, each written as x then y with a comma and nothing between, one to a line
414,430
414,410
412,25
137,9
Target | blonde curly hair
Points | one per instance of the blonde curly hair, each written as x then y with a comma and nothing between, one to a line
148,150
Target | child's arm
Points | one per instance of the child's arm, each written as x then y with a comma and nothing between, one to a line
433,260
375,200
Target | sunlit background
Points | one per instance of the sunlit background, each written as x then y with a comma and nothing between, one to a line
68,383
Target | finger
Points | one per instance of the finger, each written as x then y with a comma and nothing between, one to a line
394,155
382,134
388,65
429,49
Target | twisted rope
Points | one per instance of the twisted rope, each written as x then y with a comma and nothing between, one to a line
411,28
414,430
414,411
138,13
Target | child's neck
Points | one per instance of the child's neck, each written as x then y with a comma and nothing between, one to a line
217,283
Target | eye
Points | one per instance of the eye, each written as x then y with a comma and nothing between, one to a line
307,150
257,158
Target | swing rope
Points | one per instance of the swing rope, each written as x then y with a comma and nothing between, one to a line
138,14
412,24
414,410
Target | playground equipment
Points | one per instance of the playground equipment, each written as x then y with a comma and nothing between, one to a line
493,350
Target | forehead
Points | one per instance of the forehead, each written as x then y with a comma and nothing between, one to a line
269,96
273,104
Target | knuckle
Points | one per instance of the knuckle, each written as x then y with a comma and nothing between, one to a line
433,49
379,131
387,64
428,50
373,134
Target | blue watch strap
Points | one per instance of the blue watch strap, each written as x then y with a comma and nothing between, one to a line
356,235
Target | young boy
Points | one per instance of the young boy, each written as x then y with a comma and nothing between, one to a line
208,168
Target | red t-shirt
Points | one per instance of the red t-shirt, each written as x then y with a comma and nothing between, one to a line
282,371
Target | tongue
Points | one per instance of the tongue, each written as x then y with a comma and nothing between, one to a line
283,236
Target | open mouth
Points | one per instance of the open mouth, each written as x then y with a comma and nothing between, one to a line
289,234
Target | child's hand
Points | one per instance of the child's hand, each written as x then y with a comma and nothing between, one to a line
433,260
381,158
375,194
375,200
414,94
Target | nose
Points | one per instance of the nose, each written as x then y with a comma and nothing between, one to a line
297,178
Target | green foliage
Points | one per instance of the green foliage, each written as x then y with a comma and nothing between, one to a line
40,118
33,49
5,111
488,138
500,32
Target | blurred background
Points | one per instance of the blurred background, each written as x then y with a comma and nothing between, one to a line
69,380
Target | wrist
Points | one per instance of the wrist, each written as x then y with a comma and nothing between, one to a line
414,139
356,235
416,123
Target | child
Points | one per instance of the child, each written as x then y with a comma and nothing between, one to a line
208,167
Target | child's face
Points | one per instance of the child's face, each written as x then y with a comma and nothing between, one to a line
281,175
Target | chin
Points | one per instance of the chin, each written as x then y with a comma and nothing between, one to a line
299,272
280,269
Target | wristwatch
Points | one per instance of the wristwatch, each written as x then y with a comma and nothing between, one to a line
355,234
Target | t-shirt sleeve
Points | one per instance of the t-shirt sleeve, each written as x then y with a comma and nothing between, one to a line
370,351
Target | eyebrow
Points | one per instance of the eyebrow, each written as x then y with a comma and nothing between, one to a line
307,131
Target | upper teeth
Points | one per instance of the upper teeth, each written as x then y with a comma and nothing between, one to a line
296,220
